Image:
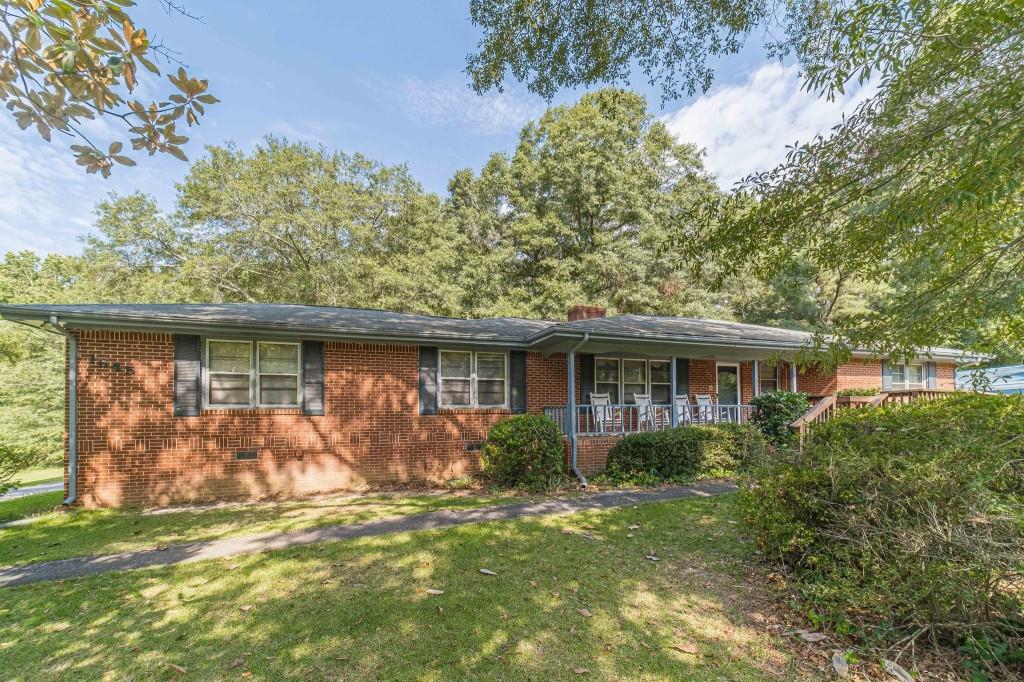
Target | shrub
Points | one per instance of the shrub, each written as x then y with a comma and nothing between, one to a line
525,451
857,391
903,519
13,460
683,454
774,412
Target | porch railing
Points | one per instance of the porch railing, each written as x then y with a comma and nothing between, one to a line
615,420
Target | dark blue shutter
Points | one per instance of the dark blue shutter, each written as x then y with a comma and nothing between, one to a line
188,353
932,375
586,363
682,376
428,380
313,377
886,376
517,381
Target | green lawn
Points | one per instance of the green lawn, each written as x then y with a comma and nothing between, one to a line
50,474
21,507
562,606
62,534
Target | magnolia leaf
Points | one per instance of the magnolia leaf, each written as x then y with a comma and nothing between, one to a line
840,665
897,671
487,571
124,160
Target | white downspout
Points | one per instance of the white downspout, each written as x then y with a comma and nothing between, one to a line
571,366
72,409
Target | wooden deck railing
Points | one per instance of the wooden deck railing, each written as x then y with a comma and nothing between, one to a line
825,409
818,412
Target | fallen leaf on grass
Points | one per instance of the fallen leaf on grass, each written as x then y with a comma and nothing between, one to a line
581,671
178,668
897,671
434,592
487,571
246,608
813,636
237,663
840,665
533,583
585,613
633,526
652,556
234,567
685,648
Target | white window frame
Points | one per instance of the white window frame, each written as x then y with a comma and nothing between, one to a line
622,375
618,377
254,376
651,383
907,384
474,398
739,381
259,374
760,376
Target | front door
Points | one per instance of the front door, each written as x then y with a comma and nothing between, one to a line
728,385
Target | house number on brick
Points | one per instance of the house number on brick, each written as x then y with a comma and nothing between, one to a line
112,365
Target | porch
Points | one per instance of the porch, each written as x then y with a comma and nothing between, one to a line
624,418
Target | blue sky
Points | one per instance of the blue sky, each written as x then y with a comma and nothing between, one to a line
384,79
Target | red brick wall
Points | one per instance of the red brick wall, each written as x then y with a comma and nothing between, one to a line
132,450
860,374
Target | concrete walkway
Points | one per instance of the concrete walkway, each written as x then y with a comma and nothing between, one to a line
32,490
249,544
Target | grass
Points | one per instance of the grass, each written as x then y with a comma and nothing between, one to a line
61,534
49,474
20,507
584,604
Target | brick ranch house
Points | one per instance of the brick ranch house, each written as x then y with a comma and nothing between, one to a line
182,403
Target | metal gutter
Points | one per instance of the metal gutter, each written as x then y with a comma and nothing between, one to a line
573,439
72,409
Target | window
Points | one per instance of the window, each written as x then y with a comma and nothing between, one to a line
606,379
634,379
906,376
661,381
277,374
252,374
767,377
473,379
230,363
621,379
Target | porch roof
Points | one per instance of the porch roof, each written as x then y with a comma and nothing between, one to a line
622,333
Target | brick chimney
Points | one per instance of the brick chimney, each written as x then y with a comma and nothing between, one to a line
585,312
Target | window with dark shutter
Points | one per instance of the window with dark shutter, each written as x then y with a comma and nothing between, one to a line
313,377
187,375
428,380
517,382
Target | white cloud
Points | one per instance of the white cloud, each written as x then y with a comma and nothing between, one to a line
746,128
46,200
456,104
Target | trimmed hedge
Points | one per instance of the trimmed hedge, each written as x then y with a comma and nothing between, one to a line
525,451
904,519
683,454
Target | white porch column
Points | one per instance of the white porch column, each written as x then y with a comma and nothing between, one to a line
756,388
792,377
673,411
571,402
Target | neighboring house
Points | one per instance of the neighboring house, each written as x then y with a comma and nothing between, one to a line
178,403
1009,379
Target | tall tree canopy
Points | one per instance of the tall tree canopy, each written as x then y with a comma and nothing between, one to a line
917,191
582,211
66,61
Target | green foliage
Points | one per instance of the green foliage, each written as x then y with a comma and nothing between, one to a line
65,63
14,459
857,392
683,454
525,451
915,196
903,520
774,412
